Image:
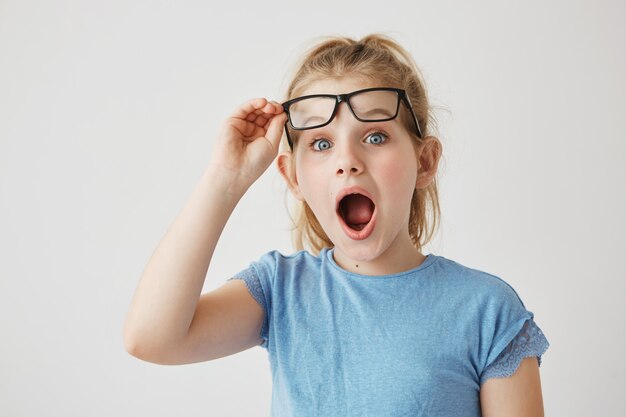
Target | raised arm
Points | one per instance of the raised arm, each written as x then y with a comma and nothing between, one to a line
166,323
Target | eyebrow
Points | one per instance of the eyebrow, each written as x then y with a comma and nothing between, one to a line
308,119
379,110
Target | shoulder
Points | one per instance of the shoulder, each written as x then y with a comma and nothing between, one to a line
278,258
275,263
478,285
492,308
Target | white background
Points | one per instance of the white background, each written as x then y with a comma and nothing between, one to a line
108,111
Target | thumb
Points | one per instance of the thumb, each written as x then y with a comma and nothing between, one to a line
275,129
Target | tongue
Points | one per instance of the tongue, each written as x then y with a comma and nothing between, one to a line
357,210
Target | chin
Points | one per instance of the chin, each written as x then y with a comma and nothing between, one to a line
360,252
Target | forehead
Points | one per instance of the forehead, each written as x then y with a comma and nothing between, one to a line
340,85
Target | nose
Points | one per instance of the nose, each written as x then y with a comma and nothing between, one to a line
347,150
345,166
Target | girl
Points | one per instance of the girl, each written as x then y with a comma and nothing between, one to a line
364,323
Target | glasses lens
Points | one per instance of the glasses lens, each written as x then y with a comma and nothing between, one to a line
375,105
311,112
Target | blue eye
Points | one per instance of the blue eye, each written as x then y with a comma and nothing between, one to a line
376,138
321,144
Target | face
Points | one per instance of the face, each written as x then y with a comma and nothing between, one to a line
358,178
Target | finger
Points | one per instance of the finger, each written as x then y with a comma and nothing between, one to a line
246,129
265,114
249,107
249,128
262,120
278,108
275,129
259,119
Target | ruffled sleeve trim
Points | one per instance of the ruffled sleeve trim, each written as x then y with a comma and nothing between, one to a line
529,341
255,289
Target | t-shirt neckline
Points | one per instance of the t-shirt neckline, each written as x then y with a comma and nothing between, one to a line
428,261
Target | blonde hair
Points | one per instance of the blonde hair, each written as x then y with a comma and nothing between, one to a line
380,59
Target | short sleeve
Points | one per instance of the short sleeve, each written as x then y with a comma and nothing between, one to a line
529,342
253,283
259,277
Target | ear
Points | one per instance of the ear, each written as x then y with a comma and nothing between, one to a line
285,165
428,155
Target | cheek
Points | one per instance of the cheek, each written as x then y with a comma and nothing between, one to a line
400,176
398,171
312,184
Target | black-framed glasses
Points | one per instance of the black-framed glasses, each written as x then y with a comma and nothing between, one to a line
378,104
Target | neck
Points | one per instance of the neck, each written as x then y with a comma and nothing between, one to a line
397,258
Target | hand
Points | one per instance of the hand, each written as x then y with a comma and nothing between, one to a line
248,141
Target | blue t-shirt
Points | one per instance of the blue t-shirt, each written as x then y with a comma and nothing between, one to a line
415,343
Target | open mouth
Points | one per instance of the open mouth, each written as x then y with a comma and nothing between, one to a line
356,210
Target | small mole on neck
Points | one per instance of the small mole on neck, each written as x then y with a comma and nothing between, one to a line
357,266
